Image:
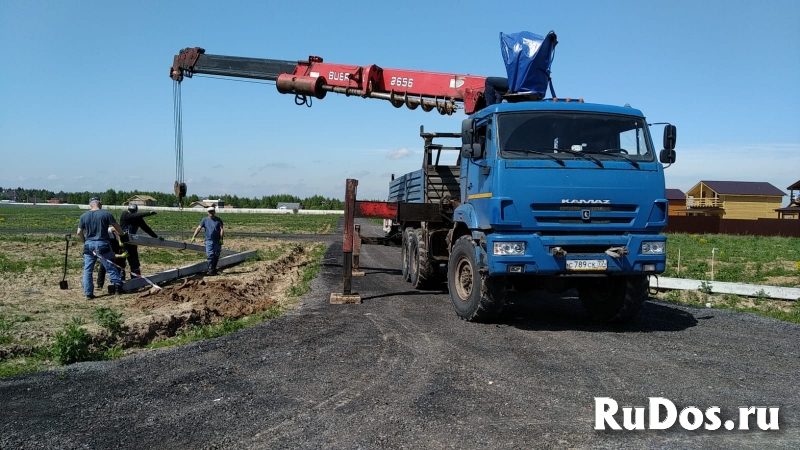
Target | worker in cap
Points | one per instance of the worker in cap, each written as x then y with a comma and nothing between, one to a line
93,230
131,220
215,233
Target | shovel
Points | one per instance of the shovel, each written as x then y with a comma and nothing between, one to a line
63,283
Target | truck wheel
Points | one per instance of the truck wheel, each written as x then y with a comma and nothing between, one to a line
614,299
406,254
422,274
475,297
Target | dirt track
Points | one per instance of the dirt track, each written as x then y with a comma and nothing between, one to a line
402,371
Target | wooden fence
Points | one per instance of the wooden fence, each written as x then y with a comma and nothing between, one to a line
716,225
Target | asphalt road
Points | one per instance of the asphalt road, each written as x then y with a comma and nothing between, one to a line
402,370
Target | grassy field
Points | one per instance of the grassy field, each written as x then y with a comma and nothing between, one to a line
772,261
745,259
66,219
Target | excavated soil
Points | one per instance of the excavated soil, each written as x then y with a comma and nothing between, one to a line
37,309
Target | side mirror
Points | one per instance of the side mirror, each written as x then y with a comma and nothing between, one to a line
467,130
670,136
667,156
469,148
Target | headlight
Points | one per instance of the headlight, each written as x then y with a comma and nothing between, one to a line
654,248
509,248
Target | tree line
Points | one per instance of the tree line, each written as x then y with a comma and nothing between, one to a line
112,197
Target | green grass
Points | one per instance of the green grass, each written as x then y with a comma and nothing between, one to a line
40,360
742,259
308,273
66,220
43,262
228,326
72,344
169,257
7,324
5,327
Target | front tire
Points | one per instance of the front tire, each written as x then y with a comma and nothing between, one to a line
476,297
614,299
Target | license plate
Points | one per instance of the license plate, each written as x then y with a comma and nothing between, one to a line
587,264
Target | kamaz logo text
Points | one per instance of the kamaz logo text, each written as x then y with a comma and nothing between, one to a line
580,200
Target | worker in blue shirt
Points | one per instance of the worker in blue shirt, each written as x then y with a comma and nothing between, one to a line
93,230
215,233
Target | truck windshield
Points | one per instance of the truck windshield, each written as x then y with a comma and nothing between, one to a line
574,135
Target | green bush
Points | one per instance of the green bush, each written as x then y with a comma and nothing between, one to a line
108,319
72,343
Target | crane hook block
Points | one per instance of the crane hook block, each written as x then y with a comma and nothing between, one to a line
301,85
180,190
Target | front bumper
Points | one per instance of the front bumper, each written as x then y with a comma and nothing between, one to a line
548,255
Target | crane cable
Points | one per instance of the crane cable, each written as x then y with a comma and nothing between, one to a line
180,185
178,121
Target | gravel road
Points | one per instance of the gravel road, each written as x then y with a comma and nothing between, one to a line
402,371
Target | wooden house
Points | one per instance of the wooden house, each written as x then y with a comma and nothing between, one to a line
202,204
141,200
677,202
11,194
792,211
734,199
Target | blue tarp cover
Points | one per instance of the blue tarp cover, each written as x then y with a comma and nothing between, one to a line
528,57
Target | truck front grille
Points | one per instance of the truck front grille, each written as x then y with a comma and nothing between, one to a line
559,213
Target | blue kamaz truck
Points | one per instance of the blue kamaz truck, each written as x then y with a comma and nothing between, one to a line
544,193
548,194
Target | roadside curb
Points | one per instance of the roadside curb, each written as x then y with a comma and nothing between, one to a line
722,287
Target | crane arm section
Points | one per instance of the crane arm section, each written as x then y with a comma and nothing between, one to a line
413,88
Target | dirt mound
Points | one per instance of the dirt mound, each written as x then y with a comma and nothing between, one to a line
201,301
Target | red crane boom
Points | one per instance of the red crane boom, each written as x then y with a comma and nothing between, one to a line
443,92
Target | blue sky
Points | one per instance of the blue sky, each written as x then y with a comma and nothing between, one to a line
86,102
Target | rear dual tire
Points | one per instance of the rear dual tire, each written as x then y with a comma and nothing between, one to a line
418,269
405,243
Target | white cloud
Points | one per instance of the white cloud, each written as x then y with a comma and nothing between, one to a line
399,153
52,177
